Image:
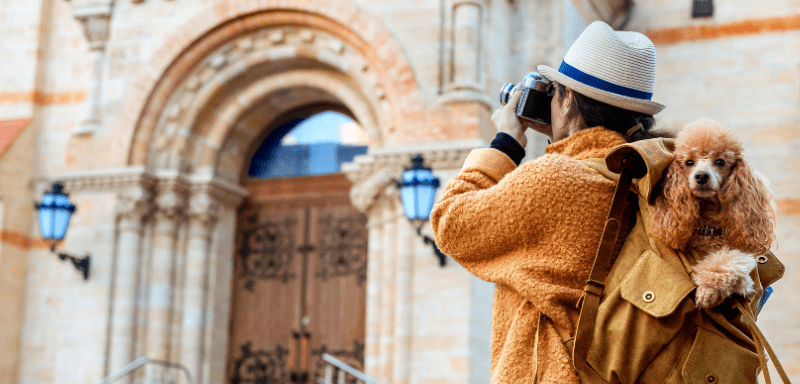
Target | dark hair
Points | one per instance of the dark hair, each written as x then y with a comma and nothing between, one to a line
597,113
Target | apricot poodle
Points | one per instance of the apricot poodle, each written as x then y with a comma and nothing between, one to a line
716,203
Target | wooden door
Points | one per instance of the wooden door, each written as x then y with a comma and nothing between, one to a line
300,281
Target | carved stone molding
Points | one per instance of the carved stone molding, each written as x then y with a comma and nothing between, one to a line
374,175
220,191
270,46
203,214
130,179
96,28
133,206
365,193
103,180
170,203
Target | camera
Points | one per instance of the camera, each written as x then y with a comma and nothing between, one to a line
534,104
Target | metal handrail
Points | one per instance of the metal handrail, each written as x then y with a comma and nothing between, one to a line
346,368
138,363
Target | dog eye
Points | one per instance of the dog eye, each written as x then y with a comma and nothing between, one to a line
719,162
689,163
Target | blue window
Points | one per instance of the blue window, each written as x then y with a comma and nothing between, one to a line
317,145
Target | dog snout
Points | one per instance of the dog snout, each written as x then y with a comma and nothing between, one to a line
701,177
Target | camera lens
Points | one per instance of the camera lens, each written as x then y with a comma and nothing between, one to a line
506,92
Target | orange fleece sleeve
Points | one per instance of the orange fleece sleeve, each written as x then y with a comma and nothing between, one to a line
520,226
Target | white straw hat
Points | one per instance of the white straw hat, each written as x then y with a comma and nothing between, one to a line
615,67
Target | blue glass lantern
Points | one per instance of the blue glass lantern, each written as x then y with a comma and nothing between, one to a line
418,193
55,211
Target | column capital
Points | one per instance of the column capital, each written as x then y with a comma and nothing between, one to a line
374,175
96,20
203,212
133,205
170,202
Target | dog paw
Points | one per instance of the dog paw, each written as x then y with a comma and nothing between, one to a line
721,274
707,297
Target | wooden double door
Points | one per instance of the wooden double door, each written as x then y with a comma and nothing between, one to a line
300,281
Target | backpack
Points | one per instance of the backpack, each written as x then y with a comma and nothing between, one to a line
638,320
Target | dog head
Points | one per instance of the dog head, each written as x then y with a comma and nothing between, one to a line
709,164
706,154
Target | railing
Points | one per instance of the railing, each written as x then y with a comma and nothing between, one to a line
341,369
167,377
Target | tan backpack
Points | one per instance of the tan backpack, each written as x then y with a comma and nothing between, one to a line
638,320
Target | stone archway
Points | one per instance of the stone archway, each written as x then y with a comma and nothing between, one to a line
192,136
357,45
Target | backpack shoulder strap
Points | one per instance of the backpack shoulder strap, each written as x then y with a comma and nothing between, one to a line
617,228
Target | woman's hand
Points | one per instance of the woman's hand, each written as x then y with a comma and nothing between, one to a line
505,119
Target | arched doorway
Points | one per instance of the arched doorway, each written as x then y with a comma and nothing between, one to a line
193,131
299,287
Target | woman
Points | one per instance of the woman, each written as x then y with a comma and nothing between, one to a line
533,230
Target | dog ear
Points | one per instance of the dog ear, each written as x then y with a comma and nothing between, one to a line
676,212
748,216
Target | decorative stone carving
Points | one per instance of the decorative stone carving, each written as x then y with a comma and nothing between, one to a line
170,204
133,205
104,180
366,192
95,27
275,44
374,176
203,214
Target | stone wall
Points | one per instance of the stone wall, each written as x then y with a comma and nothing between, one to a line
438,65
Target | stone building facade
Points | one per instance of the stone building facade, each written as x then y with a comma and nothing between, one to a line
149,110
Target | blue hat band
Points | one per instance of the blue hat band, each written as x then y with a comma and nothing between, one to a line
595,82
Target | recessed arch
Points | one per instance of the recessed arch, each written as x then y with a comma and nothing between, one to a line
229,146
379,58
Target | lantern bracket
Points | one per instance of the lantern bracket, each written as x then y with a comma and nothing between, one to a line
442,257
81,264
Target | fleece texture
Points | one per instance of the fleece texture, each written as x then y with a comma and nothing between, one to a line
721,274
533,230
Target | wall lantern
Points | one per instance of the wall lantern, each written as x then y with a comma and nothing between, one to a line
417,191
55,210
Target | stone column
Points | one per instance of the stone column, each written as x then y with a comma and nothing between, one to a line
406,239
396,339
203,214
466,56
161,293
369,195
95,20
133,206
386,339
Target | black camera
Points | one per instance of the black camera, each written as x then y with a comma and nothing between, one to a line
534,104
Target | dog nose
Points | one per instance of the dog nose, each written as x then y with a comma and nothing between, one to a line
701,177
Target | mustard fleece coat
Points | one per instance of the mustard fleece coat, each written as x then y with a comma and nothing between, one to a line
533,230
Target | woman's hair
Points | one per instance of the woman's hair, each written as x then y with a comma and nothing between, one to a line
597,113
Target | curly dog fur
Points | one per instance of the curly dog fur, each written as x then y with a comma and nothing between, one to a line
715,202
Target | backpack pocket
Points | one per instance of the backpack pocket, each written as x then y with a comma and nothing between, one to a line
656,286
714,359
638,318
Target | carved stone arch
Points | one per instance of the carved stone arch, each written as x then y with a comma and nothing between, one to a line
263,71
351,43
299,91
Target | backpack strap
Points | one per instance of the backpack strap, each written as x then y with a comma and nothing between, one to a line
761,345
614,234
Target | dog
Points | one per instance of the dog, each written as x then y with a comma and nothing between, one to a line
715,202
